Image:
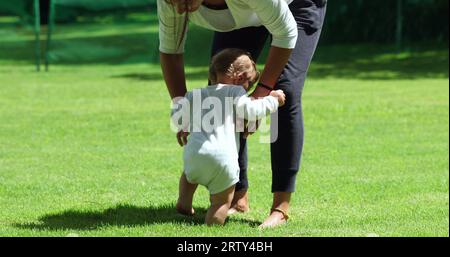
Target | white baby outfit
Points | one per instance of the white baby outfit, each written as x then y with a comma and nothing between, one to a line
211,154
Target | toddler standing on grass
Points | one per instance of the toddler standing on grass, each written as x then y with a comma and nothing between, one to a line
210,117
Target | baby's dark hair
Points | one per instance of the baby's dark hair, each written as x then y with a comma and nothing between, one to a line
224,63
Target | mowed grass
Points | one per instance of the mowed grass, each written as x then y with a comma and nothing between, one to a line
87,150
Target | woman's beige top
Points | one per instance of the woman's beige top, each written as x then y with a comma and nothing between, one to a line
273,14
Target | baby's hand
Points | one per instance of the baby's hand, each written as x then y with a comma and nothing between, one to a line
279,94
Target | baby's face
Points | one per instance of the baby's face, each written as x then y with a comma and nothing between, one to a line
248,73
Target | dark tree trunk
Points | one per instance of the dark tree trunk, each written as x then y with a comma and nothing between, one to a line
44,7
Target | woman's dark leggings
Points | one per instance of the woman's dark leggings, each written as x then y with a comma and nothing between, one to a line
286,151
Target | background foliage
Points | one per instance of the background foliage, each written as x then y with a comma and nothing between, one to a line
348,21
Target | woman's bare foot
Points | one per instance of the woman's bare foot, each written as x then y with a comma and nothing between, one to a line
275,219
278,215
239,203
184,210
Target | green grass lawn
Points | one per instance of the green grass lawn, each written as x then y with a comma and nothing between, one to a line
86,149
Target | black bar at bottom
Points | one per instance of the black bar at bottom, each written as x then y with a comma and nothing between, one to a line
229,246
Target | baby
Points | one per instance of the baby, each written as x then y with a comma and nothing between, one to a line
211,153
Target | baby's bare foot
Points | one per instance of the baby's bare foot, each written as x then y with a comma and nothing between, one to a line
184,210
238,209
240,203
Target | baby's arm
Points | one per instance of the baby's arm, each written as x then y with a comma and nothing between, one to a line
253,110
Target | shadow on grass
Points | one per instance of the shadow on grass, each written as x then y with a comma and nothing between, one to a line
150,76
111,45
380,62
130,43
120,215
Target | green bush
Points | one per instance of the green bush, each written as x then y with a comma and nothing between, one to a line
350,21
347,21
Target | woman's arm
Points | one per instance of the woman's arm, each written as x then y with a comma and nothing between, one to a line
275,63
172,66
278,19
171,51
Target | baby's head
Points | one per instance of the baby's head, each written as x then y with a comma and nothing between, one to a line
233,66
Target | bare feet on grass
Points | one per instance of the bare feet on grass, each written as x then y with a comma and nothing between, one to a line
279,212
239,203
184,210
275,219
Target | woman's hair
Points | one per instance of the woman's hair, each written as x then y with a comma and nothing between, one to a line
185,24
224,62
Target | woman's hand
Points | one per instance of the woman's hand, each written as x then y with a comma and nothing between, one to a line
183,6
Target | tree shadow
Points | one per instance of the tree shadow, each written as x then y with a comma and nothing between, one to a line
130,43
120,215
140,76
152,76
380,62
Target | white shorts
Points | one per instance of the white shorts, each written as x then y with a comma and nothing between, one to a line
215,172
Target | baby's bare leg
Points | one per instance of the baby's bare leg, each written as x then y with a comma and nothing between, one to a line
220,204
186,196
